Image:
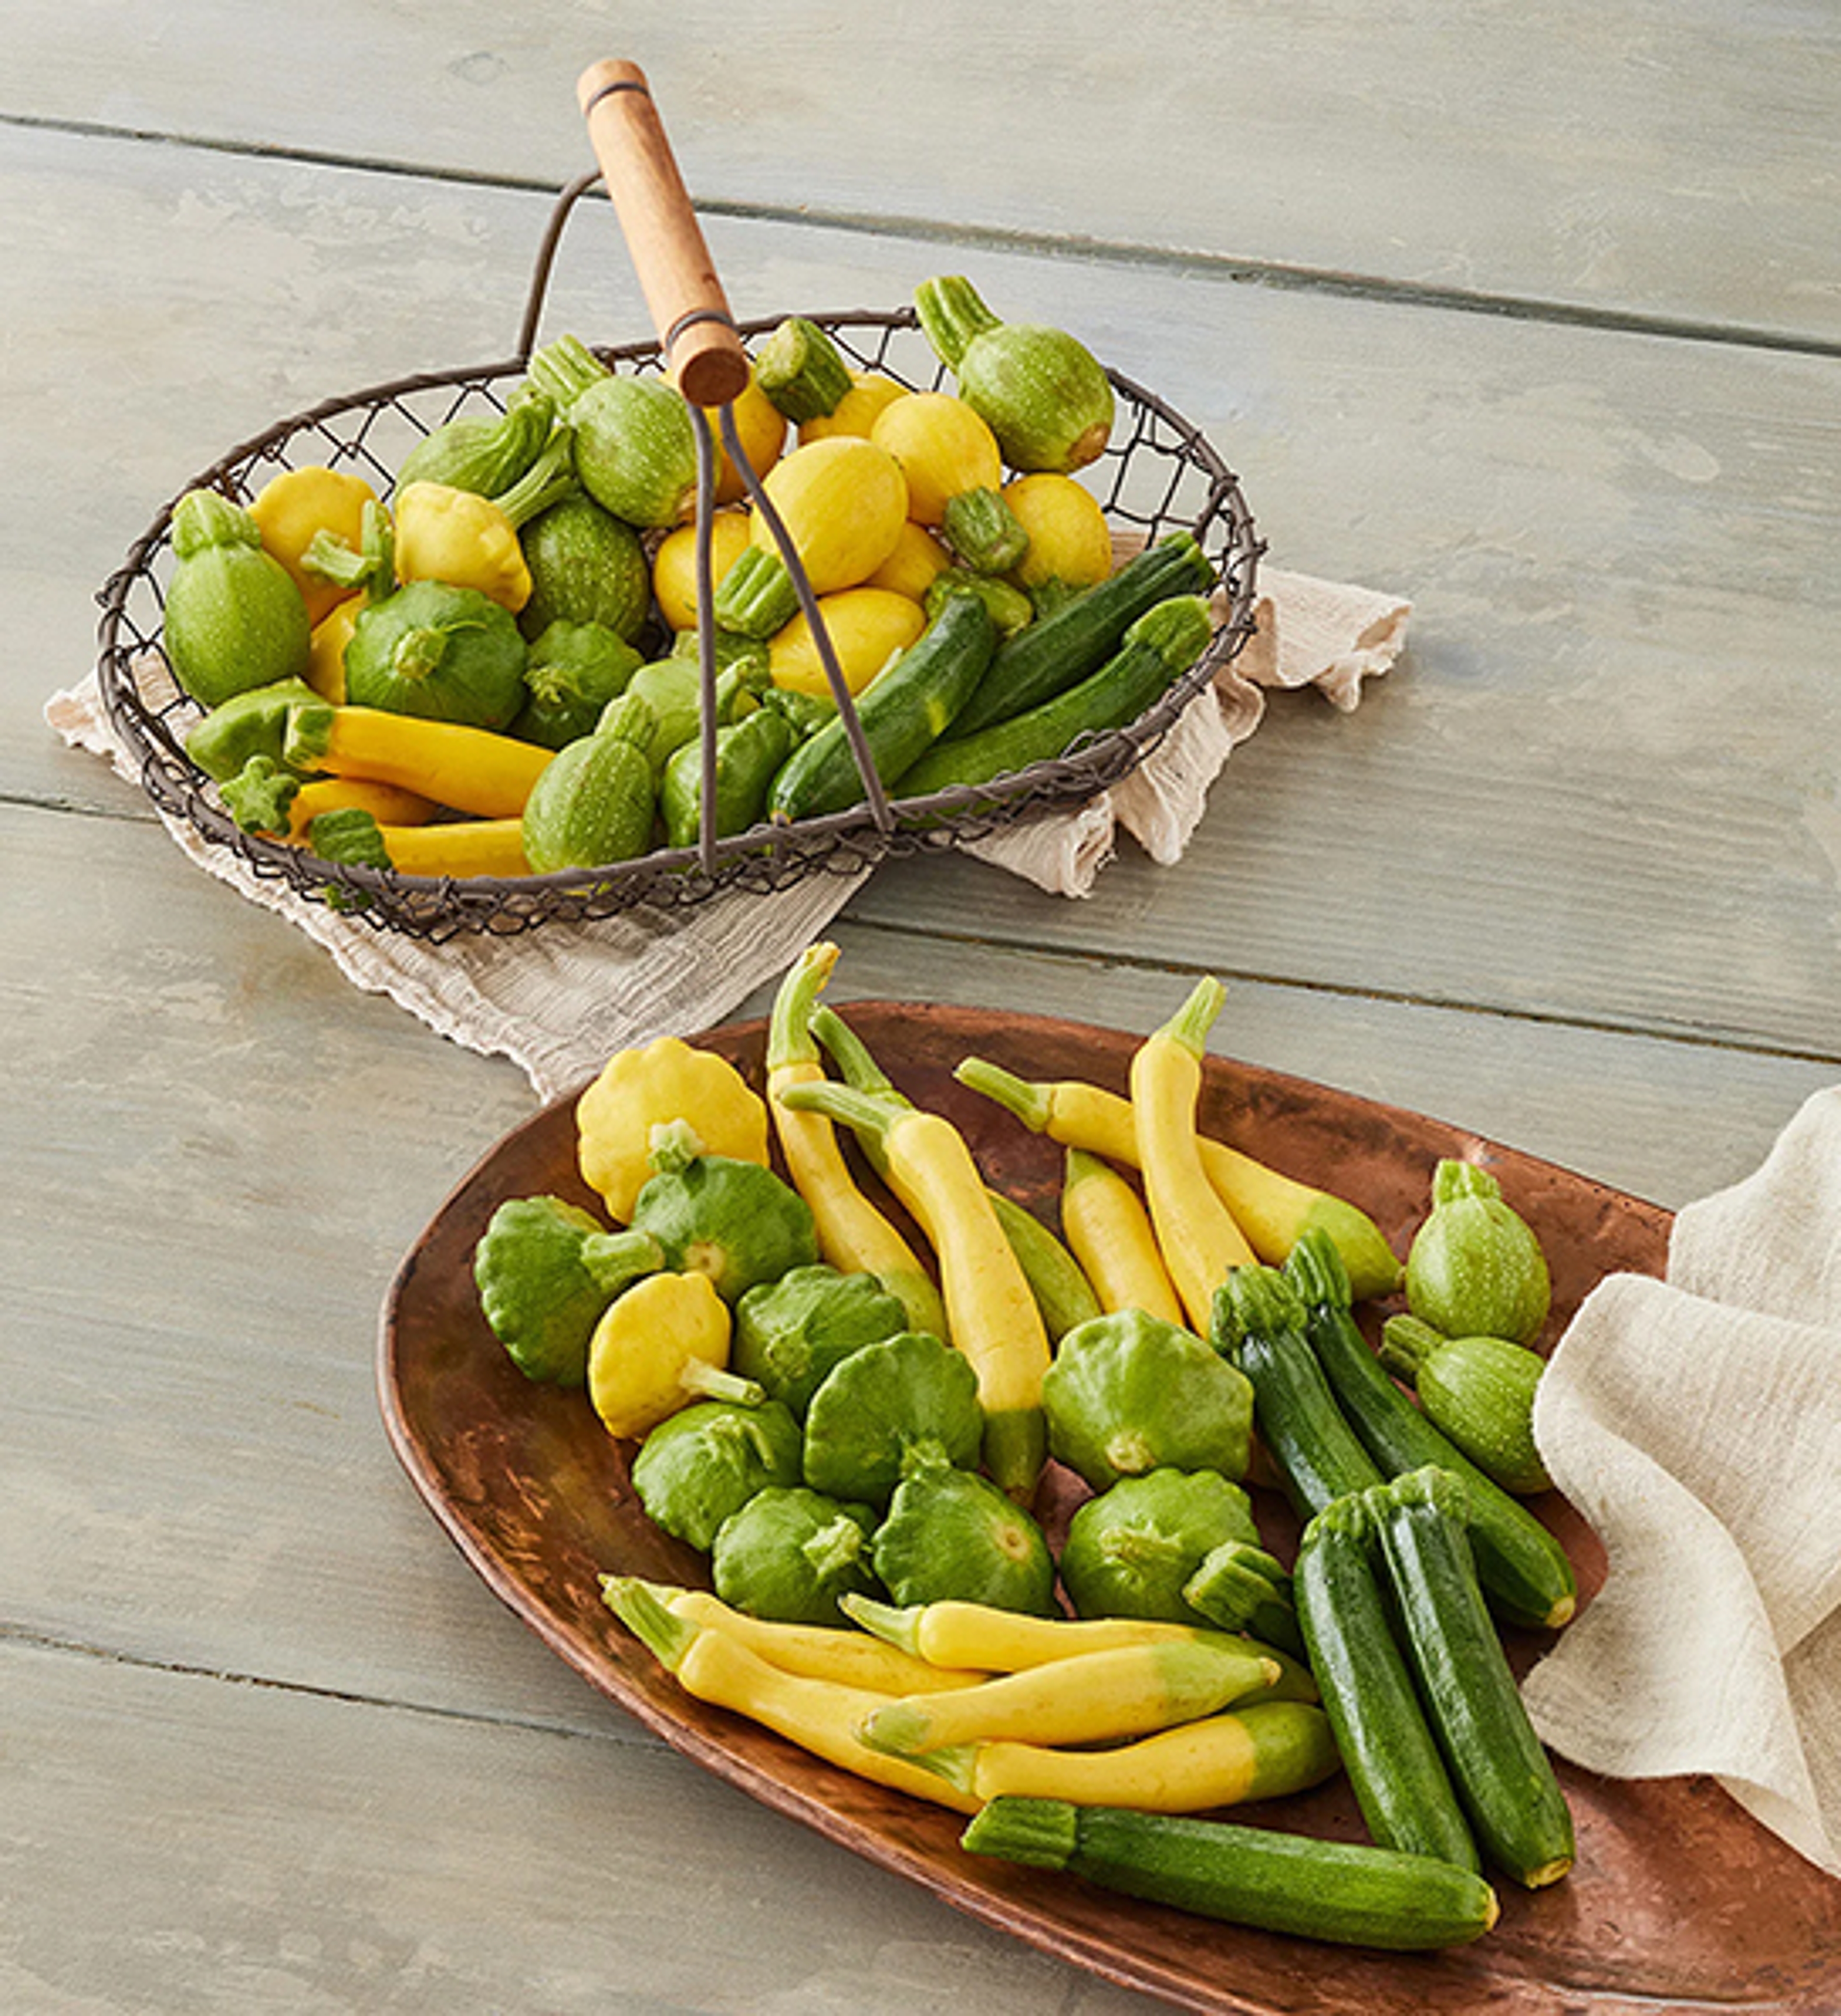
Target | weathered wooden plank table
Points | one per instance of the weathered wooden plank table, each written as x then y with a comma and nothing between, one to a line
1533,315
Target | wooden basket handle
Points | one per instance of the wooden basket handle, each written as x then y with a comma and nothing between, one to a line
696,332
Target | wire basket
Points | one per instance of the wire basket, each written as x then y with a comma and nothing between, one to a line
1158,475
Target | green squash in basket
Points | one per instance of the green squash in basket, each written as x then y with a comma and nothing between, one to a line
594,802
235,619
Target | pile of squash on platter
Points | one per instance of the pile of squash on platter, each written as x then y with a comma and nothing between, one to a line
457,682
855,1428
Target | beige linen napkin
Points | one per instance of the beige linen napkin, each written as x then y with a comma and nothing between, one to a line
1696,1424
560,999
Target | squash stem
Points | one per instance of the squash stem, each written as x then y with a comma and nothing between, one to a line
564,369
1453,1179
1032,1104
952,315
666,1636
615,1260
867,1114
548,479
1043,1833
861,1073
418,653
713,1382
1190,1025
790,1040
852,1056
1405,1344
1317,1271
893,1625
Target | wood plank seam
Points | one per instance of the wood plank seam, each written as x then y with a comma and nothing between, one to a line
1252,272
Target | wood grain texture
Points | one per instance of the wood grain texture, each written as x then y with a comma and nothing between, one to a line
260,1850
1569,877
1676,160
1601,788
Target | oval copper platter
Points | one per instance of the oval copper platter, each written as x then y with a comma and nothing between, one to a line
1679,1901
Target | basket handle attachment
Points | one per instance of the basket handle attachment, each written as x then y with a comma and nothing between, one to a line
704,354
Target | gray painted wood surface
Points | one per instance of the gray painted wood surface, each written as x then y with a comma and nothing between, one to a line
1569,876
1669,161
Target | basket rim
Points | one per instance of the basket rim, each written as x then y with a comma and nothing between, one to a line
177,786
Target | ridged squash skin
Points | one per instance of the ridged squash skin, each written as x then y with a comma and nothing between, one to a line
634,451
593,805
586,567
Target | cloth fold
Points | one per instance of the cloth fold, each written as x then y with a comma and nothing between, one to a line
560,999
1696,1423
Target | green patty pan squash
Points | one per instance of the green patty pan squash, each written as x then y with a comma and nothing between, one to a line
547,1271
789,1333
1130,1393
1131,1550
707,1461
573,670
734,1221
789,1553
439,652
952,1535
888,1409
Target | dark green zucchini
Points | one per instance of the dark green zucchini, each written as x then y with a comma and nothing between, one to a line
1388,1748
1523,1568
1062,649
749,754
1259,1324
1160,646
1344,1892
902,710
1503,1775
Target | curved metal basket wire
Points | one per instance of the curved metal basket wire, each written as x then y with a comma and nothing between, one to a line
1158,475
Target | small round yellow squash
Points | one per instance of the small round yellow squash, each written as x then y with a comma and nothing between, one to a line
944,449
1069,539
640,1088
650,1348
844,502
866,626
855,413
762,428
674,566
912,568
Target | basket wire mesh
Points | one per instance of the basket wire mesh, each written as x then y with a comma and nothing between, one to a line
1158,473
